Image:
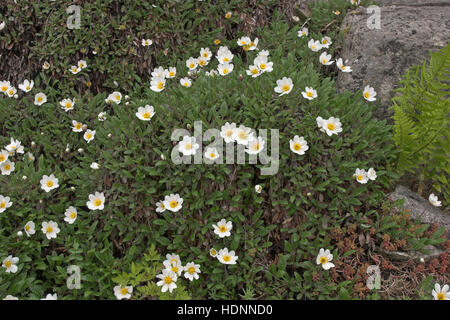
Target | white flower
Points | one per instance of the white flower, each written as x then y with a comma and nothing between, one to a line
298,145
211,154
369,93
4,86
205,53
159,72
4,154
225,68
82,64
324,257
145,113
211,73
168,279
213,252
10,264
173,258
30,228
158,84
26,86
224,55
284,86
173,202
325,59
258,188
263,64
361,176
243,41
77,126
255,145
123,292
253,71
96,201
303,33
188,146
227,257
14,146
174,266
50,297
342,67
67,104
371,174
242,135
223,228
50,229
7,167
434,200
89,135
40,98
309,93
171,72
11,92
263,53
71,215
146,42
326,42
4,203
160,206
191,63
74,69
101,116
314,45
355,2
191,271
10,297
227,132
49,183
202,62
186,82
46,65
2,25
115,97
330,126
441,293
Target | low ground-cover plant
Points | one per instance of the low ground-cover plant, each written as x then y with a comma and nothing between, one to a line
313,201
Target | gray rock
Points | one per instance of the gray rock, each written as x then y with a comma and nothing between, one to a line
420,208
429,253
379,57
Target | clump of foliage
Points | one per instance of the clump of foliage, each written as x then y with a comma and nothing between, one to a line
142,277
421,114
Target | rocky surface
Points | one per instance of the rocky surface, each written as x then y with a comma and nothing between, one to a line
379,57
420,208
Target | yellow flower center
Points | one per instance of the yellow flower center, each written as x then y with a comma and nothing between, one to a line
49,229
68,105
171,74
188,146
27,228
229,133
324,41
228,16
2,204
8,264
49,183
324,61
285,87
205,55
242,135
216,41
191,270
254,71
78,126
73,215
331,126
297,146
367,95
226,258
441,296
4,88
11,92
226,59
146,115
202,62
39,99
2,158
27,88
186,84
124,291
160,85
262,66
173,204
223,229
256,147
213,252
168,280
212,155
359,177
7,167
246,47
309,94
323,260
175,269
225,71
97,202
